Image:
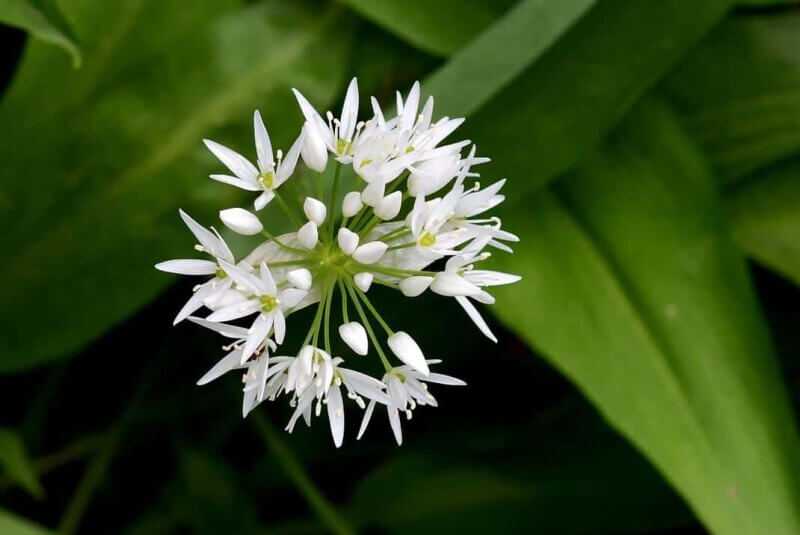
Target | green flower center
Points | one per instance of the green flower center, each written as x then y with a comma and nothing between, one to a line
427,239
221,273
267,180
268,303
343,146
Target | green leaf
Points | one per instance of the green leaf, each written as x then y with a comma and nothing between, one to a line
44,20
438,27
15,462
739,93
632,289
764,215
557,110
532,26
117,146
11,524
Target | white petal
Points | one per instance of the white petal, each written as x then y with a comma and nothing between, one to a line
300,278
444,380
226,364
406,349
235,311
349,111
348,240
209,241
243,278
236,182
370,252
280,325
238,164
229,331
241,221
414,286
394,421
308,235
188,267
354,335
194,302
291,296
476,317
289,162
363,281
351,204
263,145
450,285
267,282
365,420
336,415
315,210
256,335
263,199
314,151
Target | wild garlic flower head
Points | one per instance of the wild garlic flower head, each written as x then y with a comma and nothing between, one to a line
398,208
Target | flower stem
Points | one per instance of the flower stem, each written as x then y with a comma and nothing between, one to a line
287,209
327,325
334,191
402,246
368,327
396,234
374,312
344,301
298,262
282,245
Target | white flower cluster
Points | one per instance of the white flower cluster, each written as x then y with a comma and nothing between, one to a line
388,227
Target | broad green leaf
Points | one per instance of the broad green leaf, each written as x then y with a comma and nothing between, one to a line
96,166
532,26
44,20
764,215
739,92
15,463
11,524
632,289
559,108
439,27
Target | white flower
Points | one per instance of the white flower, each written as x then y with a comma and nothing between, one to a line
262,297
212,291
337,134
268,176
241,221
406,389
336,251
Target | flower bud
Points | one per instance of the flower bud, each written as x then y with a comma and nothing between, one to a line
241,221
414,286
300,278
308,235
355,337
351,204
406,349
369,253
314,152
315,210
363,281
389,206
348,241
373,193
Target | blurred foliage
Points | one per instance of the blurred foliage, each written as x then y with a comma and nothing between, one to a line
649,147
